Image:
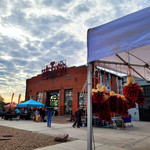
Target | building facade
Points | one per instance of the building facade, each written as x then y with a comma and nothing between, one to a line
65,92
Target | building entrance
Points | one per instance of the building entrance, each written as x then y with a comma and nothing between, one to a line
145,109
52,100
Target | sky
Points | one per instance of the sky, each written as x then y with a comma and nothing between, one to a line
34,33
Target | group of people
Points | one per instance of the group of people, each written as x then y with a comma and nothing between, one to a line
78,114
41,112
49,112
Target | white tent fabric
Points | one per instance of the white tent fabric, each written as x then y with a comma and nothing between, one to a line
112,44
125,40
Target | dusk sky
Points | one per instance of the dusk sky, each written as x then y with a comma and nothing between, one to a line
34,33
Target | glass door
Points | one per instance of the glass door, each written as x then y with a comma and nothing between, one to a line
68,102
53,101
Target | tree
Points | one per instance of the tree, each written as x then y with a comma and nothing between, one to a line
2,103
1,99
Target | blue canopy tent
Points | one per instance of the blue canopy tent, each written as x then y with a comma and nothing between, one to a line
124,42
30,103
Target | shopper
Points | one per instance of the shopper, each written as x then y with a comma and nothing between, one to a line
76,118
79,116
17,111
42,114
50,112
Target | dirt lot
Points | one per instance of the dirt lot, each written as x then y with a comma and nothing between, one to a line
15,139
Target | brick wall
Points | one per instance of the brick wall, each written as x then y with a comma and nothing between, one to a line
74,79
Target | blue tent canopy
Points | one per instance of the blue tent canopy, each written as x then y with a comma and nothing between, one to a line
31,103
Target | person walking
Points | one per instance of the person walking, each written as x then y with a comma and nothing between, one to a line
50,112
76,119
79,116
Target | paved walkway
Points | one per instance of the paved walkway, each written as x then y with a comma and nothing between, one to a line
133,138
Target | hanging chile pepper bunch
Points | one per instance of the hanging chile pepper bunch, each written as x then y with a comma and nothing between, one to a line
101,104
133,93
118,104
97,97
113,100
123,106
104,111
114,103
141,98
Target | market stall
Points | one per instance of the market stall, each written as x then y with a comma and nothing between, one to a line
10,114
123,46
11,105
31,103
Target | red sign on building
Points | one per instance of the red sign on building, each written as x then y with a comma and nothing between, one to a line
54,69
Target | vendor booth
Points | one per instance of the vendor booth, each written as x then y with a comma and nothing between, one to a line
30,103
11,105
123,46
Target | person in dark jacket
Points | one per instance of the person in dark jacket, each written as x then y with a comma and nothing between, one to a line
79,116
42,114
76,118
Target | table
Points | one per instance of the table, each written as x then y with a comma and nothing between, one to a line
8,116
25,116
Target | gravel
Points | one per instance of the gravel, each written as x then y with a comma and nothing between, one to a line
15,139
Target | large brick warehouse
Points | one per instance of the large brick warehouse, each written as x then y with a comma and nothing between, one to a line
60,88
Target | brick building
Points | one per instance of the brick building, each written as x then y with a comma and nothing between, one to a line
62,92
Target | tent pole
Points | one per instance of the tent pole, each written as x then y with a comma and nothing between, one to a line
89,108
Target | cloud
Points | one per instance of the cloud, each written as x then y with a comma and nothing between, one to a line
34,33
82,8
16,17
71,46
46,25
57,4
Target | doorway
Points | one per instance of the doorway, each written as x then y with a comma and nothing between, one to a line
68,102
145,109
52,101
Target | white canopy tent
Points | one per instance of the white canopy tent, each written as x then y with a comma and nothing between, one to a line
119,44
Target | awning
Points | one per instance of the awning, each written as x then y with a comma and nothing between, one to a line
31,103
122,43
11,105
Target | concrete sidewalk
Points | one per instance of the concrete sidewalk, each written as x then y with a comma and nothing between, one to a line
133,138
